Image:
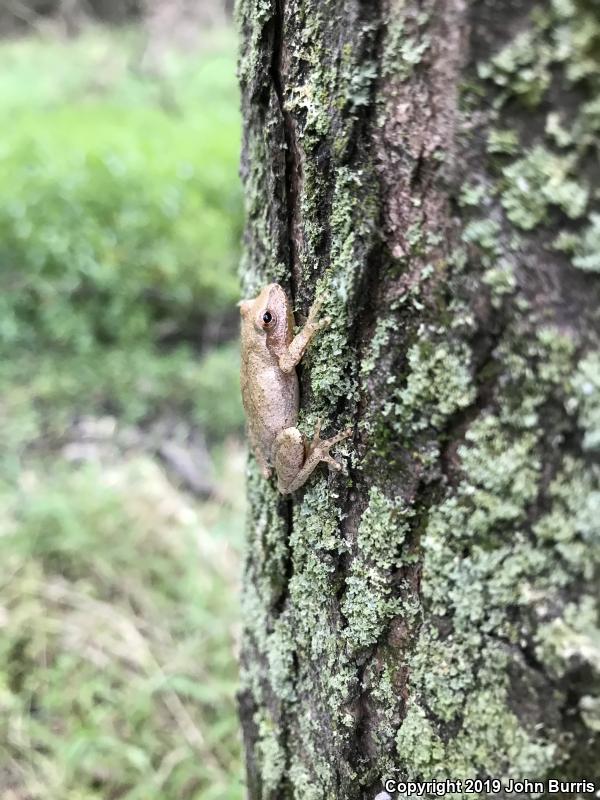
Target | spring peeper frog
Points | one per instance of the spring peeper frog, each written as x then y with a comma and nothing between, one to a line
270,353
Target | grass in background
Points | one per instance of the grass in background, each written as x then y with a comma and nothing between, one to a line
118,609
120,218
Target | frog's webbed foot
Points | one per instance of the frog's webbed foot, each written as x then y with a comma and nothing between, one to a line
319,448
313,315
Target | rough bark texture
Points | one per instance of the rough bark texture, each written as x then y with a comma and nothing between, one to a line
433,166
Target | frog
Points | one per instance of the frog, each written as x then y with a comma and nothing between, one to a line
270,353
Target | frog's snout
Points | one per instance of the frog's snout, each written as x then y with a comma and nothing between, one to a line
244,306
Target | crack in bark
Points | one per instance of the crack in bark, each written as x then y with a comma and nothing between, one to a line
291,179
292,157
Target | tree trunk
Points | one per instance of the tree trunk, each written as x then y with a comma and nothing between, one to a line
433,166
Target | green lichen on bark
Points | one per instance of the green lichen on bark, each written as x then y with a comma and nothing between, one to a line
497,578
434,611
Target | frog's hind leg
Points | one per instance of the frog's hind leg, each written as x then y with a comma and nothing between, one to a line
289,457
317,451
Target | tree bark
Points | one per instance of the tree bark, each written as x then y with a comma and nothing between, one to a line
433,166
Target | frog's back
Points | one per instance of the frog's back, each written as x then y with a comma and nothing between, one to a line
270,398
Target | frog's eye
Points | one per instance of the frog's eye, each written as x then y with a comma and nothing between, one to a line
268,319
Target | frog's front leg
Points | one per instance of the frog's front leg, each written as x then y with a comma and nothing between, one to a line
295,350
295,462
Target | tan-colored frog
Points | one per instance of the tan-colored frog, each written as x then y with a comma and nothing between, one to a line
270,353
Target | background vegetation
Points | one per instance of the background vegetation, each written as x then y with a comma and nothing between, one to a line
121,469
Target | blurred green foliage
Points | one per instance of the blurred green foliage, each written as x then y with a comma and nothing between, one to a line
121,208
120,220
41,393
105,247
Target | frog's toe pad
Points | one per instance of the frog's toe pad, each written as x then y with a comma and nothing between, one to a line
331,461
320,447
